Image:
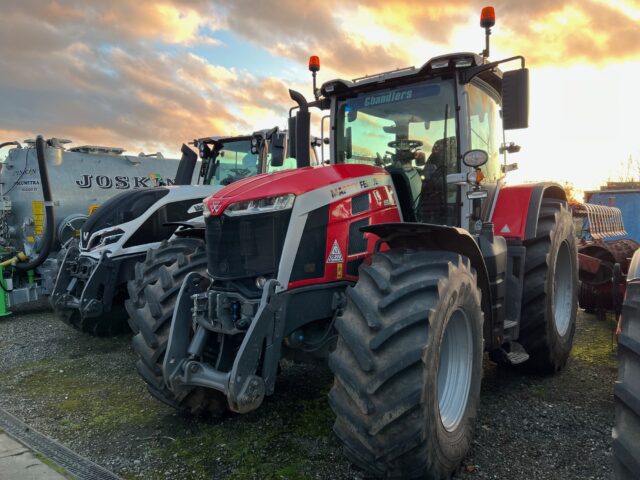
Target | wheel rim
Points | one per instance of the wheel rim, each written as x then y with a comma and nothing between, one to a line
563,290
454,370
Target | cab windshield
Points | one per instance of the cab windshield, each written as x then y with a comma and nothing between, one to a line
234,162
410,131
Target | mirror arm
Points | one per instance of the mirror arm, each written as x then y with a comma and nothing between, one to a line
470,73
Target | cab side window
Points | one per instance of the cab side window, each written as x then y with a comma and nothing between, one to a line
486,132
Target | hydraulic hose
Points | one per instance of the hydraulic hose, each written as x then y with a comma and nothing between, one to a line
49,231
6,144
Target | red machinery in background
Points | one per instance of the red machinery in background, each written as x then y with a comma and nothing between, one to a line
603,258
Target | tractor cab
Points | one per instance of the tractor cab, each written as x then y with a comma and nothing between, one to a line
417,123
228,159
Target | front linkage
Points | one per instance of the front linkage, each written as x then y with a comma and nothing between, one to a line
244,389
85,290
243,365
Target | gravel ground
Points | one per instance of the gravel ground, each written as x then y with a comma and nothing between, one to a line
84,392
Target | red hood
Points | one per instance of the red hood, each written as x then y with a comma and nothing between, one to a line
296,181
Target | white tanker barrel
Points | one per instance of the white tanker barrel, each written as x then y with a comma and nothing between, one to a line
81,179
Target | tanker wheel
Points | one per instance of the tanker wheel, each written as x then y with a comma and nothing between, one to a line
549,303
153,295
408,364
626,430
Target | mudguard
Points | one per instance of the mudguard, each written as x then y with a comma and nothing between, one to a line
515,215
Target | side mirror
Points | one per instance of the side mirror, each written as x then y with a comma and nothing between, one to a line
348,143
515,99
278,149
475,158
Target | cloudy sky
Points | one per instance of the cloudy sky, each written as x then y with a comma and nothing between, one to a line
149,75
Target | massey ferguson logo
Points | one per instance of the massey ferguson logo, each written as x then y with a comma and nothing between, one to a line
215,206
120,182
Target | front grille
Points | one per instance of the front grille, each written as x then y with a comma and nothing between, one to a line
119,209
245,246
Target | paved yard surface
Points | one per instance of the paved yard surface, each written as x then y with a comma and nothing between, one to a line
17,462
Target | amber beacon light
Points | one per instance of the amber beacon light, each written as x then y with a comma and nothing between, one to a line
487,20
314,63
487,17
314,67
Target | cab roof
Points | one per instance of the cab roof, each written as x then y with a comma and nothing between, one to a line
442,64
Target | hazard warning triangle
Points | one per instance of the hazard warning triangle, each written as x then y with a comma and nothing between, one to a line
335,255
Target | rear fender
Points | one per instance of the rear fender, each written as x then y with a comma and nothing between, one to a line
422,236
515,215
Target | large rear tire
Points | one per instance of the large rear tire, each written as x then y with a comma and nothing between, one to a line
550,293
408,365
626,432
153,294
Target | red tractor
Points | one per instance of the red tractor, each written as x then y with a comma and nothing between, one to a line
401,262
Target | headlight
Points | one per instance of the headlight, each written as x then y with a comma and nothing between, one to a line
105,238
260,205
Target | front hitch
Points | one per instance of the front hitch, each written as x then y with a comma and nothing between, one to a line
183,367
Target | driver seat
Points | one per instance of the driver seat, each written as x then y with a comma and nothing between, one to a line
431,208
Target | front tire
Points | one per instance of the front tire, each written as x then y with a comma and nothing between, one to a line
153,295
408,365
550,293
108,324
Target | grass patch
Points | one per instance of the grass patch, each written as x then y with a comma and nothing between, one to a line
284,439
594,343
82,397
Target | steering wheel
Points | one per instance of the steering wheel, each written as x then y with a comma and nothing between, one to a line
240,172
405,145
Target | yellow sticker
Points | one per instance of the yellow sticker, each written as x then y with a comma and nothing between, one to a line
37,207
339,274
93,208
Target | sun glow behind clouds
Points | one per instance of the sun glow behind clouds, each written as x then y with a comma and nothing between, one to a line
630,9
582,125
